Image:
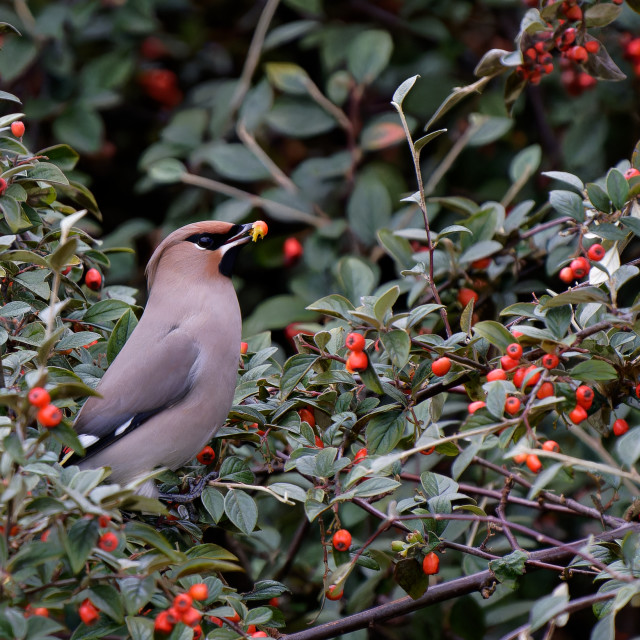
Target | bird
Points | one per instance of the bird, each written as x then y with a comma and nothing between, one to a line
171,386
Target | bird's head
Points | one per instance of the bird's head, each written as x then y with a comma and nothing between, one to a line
208,248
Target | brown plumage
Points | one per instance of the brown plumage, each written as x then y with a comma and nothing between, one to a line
171,386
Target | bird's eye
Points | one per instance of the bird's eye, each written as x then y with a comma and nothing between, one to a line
205,241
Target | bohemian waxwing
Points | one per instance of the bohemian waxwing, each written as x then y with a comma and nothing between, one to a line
171,386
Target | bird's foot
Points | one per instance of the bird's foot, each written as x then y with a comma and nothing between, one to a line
195,490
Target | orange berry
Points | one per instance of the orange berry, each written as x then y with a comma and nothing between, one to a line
206,456
191,617
596,252
431,564
550,361
631,173
584,396
355,341
551,445
173,615
93,279
18,128
520,458
508,363
496,374
428,452
357,361
182,602
89,614
441,366
512,405
41,611
108,541
216,621
580,267
199,591
341,540
545,391
259,230
332,593
620,427
244,347
516,334
578,414
39,397
474,406
483,263
533,379
234,618
465,296
514,350
103,521
163,623
534,464
566,275
259,634
306,415
361,454
49,416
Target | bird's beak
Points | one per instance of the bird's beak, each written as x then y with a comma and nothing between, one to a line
242,237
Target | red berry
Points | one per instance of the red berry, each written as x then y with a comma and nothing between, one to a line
244,347
584,396
357,361
89,614
566,275
496,374
108,541
578,414
306,415
17,128
441,366
550,361
332,593
234,618
206,456
183,602
596,252
545,391
49,416
163,623
580,267
274,602
620,427
465,296
533,462
574,13
516,334
199,591
431,564
533,378
481,264
341,540
551,445
197,632
319,442
474,406
3,186
39,397
361,454
518,377
512,405
292,251
259,634
355,341
514,350
593,46
103,521
93,279
216,621
191,617
631,173
508,363
428,452
41,611
520,458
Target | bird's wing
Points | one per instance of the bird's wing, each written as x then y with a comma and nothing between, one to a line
141,382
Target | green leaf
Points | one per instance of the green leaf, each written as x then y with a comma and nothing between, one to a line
106,311
79,542
107,599
13,215
436,485
567,203
598,198
617,188
81,127
233,161
77,340
494,333
259,615
371,379
356,276
288,77
140,628
628,446
299,118
496,398
491,63
213,502
408,574
167,170
136,592
595,370
294,370
397,344
631,223
145,533
369,208
241,510
401,92
375,487
385,303
63,254
601,15
558,320
333,305
120,334
543,479
525,163
547,608
368,55
576,296
509,567
420,143
235,470
567,178
384,432
458,94
47,172
480,250
265,590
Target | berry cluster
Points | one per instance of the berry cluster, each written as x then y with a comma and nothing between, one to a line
358,359
48,414
182,610
579,267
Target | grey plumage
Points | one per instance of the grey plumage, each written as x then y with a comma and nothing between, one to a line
171,386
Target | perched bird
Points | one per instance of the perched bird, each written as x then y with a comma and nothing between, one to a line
171,386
